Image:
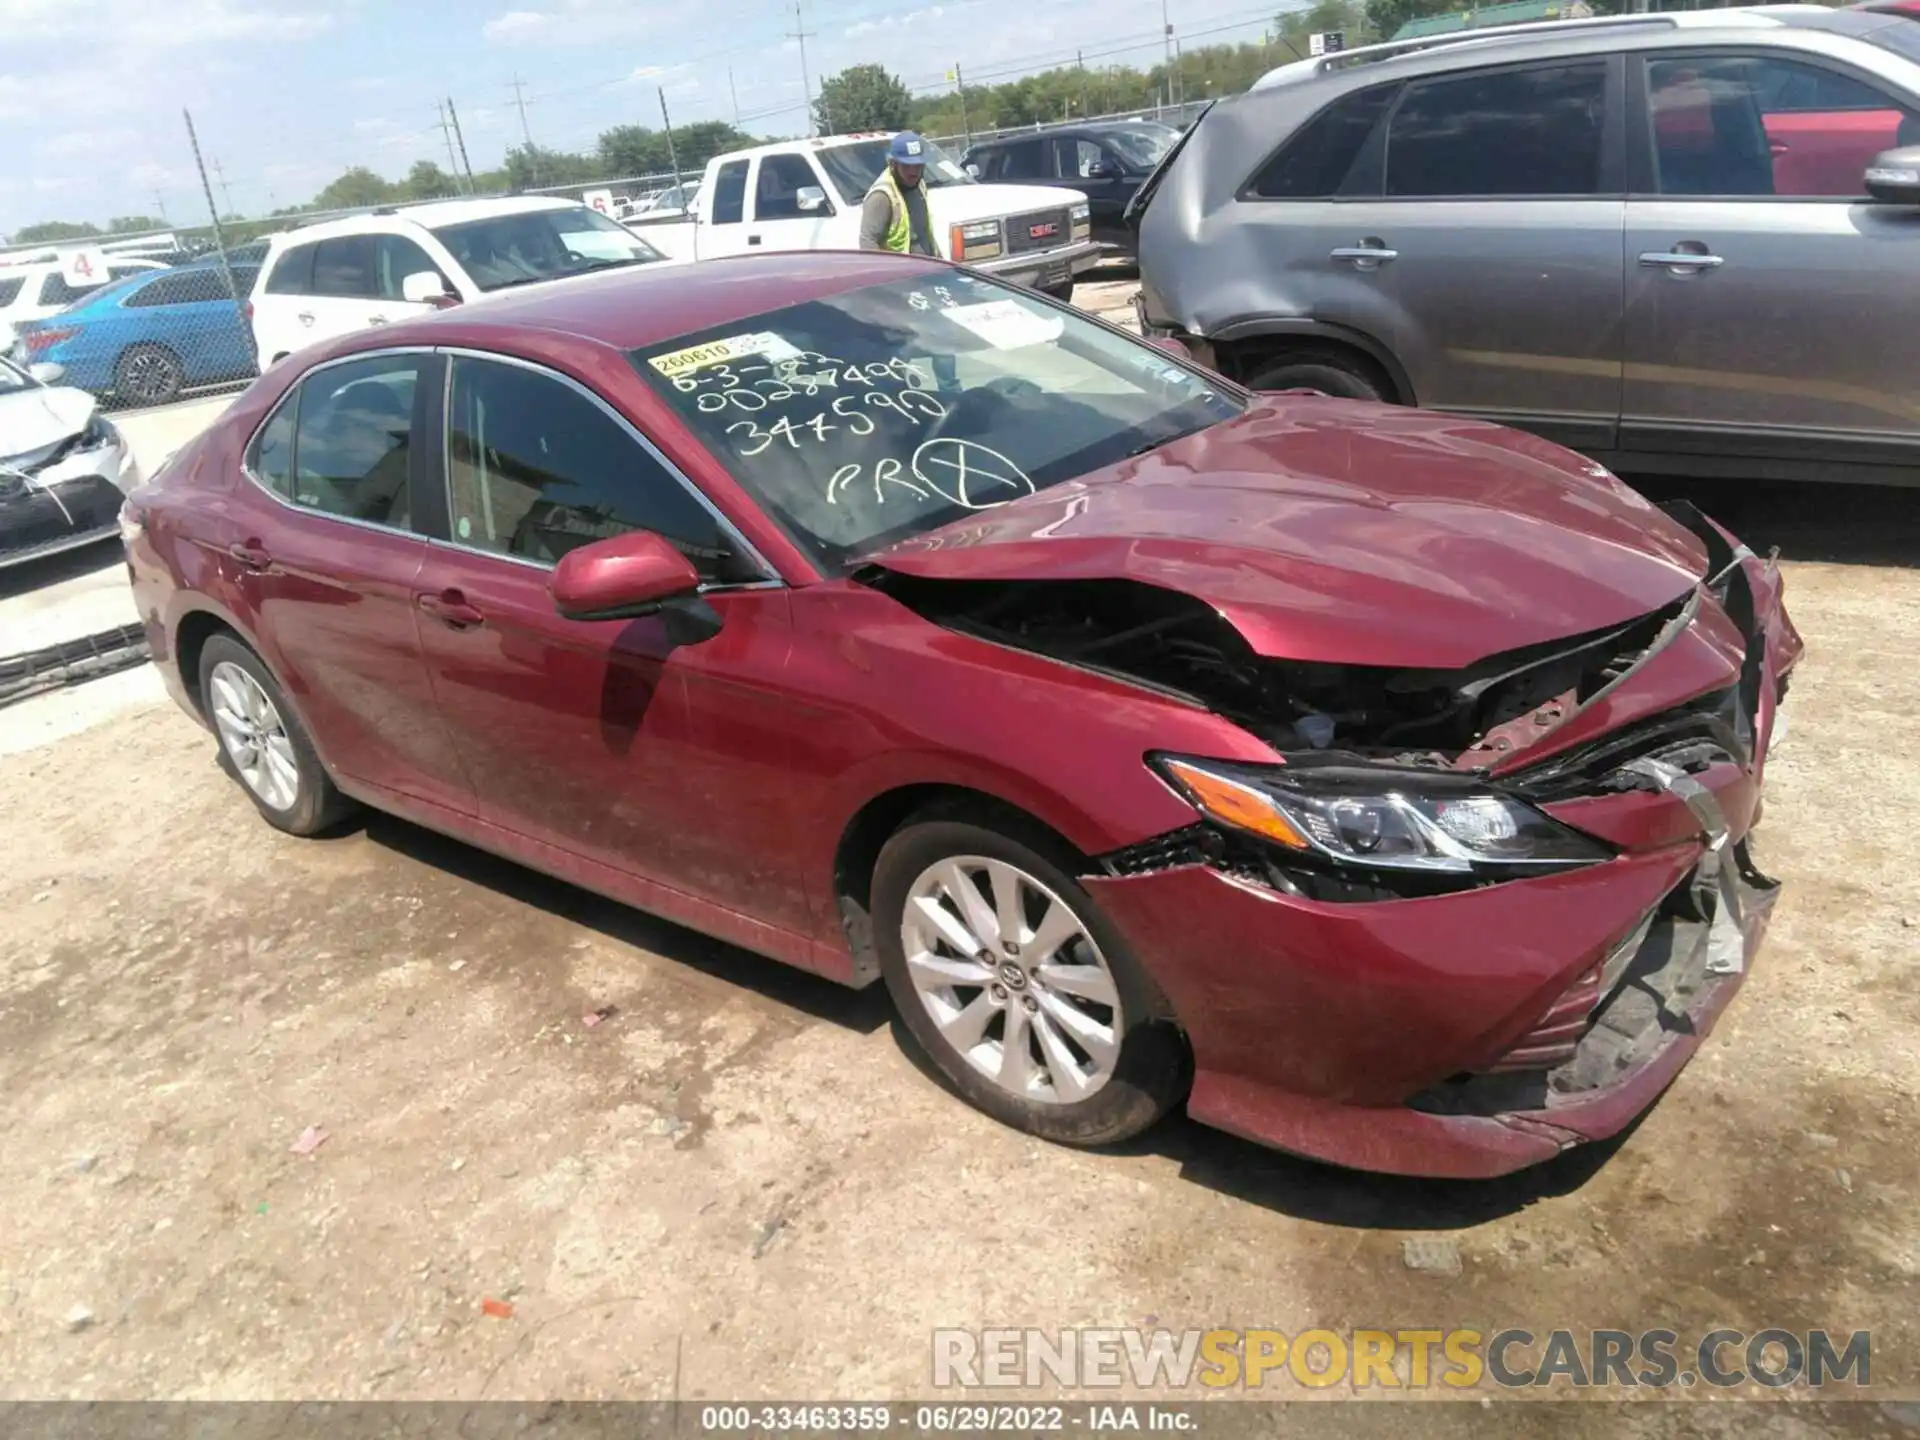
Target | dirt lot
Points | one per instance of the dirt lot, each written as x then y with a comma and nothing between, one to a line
742,1183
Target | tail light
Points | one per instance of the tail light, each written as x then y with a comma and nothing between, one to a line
38,342
247,310
978,240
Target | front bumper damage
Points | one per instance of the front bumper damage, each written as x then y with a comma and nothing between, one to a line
59,505
1476,1033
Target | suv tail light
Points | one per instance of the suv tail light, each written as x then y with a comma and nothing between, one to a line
246,309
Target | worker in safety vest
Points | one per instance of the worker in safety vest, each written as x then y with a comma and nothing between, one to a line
894,216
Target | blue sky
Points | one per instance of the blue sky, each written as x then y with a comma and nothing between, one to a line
287,93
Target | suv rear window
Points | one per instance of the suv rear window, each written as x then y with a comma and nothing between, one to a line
1532,131
292,273
1312,165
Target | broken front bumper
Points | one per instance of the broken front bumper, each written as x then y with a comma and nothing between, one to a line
1479,1032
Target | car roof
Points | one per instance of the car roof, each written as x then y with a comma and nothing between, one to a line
1394,57
432,214
645,305
1074,127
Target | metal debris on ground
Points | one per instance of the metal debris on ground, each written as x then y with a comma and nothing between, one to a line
311,1139
498,1309
769,1232
78,1319
594,1017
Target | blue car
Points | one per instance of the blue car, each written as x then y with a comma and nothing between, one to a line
143,340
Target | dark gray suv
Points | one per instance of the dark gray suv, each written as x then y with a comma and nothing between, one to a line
1653,238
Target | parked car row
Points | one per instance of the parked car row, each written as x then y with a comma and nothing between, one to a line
1681,243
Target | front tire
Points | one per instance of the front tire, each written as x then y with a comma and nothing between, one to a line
263,745
1017,986
1329,373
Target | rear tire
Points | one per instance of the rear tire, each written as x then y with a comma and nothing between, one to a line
263,745
1087,1070
1329,373
148,374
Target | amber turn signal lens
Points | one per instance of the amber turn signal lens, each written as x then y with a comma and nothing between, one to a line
1232,803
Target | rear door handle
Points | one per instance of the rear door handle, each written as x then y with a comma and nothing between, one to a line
305,317
1681,260
378,320
250,555
450,608
1364,257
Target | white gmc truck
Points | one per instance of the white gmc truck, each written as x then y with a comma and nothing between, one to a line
806,195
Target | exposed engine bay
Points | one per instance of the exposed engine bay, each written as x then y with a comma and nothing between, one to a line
1173,642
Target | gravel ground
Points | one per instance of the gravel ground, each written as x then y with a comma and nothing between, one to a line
743,1183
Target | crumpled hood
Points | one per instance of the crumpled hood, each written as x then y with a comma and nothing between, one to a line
1328,530
33,419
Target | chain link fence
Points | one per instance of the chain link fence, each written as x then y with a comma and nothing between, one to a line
149,318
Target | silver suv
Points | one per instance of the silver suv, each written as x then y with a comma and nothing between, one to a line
1652,238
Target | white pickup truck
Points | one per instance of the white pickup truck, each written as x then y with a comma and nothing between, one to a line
806,195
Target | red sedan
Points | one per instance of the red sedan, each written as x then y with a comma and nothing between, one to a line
1375,783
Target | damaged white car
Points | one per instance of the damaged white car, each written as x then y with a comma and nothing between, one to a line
64,469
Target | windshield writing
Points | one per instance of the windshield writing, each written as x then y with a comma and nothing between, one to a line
867,417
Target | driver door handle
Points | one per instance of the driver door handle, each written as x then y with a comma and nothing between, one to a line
451,609
1681,260
305,317
378,320
250,555
1364,257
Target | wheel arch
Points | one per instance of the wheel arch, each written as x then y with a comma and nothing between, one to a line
870,826
1243,346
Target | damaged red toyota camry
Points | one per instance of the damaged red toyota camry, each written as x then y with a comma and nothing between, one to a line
1375,783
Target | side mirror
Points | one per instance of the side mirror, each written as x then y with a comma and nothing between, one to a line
1101,170
620,578
810,198
1894,176
1173,345
973,170
423,287
46,372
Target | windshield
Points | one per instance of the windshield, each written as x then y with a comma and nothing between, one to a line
1142,148
853,168
861,419
532,245
13,379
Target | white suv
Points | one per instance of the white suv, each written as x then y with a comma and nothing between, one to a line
344,275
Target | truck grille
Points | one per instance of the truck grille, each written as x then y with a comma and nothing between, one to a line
1041,230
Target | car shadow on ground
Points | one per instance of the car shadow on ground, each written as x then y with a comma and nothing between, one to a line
1327,1194
1840,524
31,575
861,1011
1287,1184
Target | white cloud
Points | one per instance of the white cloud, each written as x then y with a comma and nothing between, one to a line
176,24
515,25
577,23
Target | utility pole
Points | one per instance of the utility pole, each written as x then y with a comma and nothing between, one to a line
226,192
1081,61
966,125
533,164
802,34
160,209
446,134
736,98
672,158
461,140
1166,36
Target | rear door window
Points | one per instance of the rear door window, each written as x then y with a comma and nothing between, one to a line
1315,163
10,290
1535,131
293,271
353,439
344,267
1026,160
730,193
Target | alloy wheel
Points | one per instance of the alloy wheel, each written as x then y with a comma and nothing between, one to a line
152,376
254,737
1012,979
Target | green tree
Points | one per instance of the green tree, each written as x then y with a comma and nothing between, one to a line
1292,28
632,150
863,97
54,230
355,188
1387,16
531,166
427,181
134,224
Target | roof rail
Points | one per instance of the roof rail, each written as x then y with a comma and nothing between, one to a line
1386,48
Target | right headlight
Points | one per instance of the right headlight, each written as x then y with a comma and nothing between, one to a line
1400,820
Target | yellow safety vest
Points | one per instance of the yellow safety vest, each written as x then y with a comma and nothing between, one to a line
900,232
